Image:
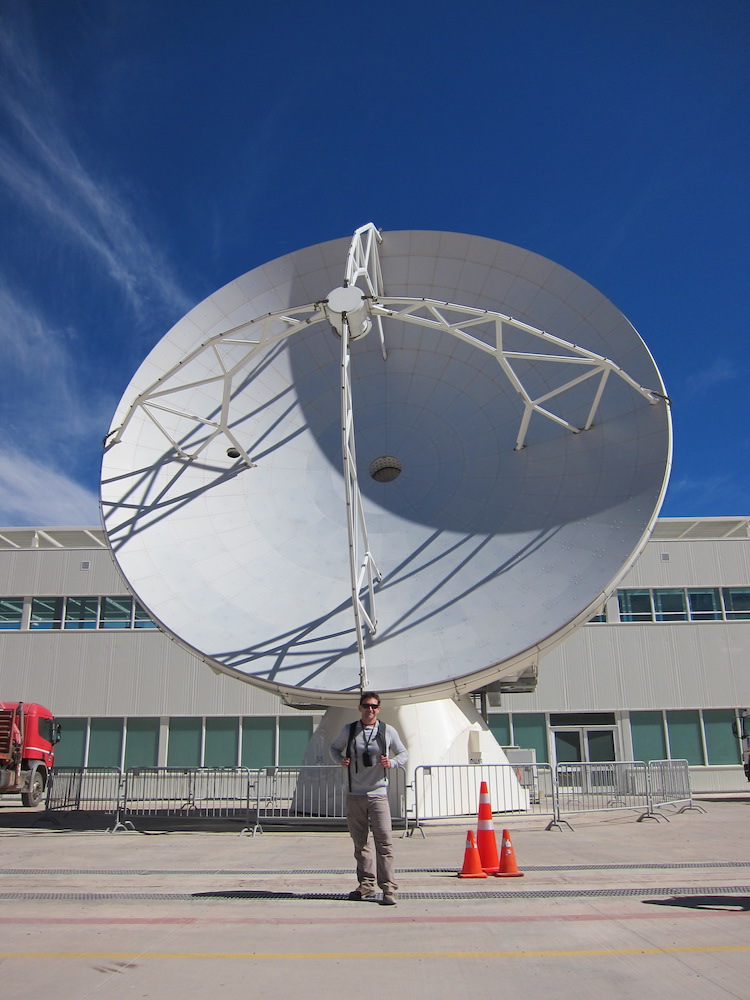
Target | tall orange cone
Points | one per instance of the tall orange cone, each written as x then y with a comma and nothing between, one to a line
472,862
486,841
508,867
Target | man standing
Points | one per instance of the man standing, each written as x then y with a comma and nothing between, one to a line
364,749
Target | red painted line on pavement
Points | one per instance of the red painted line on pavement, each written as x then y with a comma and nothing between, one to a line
668,914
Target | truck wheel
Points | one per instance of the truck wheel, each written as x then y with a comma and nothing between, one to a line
34,795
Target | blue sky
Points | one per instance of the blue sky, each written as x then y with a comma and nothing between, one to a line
153,150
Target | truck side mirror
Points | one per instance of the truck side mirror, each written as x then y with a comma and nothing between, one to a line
56,732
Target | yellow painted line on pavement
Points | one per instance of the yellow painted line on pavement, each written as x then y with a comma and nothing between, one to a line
359,955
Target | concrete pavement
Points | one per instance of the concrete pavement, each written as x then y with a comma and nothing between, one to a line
613,909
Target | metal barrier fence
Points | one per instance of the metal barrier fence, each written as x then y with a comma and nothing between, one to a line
601,786
316,792
189,793
669,784
84,789
452,790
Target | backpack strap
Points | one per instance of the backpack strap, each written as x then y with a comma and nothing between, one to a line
350,752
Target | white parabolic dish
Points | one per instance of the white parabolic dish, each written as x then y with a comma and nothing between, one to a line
235,540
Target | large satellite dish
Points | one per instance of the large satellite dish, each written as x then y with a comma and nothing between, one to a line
410,462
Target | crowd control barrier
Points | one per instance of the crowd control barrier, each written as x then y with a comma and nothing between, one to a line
669,784
187,793
601,786
84,789
447,791
316,792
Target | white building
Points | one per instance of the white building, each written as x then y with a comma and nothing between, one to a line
661,674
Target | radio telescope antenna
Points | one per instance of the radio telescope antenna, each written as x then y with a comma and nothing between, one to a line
512,449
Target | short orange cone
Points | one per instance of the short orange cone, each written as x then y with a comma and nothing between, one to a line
508,867
486,841
472,862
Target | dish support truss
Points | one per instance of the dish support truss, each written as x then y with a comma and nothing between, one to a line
483,329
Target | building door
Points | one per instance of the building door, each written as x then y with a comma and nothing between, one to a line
583,740
584,745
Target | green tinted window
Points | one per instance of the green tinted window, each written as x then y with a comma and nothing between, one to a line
221,743
294,735
647,731
721,743
142,743
105,743
184,749
259,742
71,749
530,732
500,728
685,737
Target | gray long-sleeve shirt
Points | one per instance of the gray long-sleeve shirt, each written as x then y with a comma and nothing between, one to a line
371,780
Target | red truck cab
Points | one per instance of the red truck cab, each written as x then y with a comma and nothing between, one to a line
28,734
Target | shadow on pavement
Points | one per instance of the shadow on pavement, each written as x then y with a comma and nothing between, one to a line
734,903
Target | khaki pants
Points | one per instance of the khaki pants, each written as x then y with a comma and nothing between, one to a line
365,813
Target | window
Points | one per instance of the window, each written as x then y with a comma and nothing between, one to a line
721,743
294,735
635,605
221,743
81,612
105,743
142,619
669,605
46,612
142,743
499,725
11,613
684,730
647,731
736,602
71,750
705,605
530,732
184,748
116,612
601,617
258,742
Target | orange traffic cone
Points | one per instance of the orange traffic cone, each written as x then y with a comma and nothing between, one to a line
486,841
472,862
508,867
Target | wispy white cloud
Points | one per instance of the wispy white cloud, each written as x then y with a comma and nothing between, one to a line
46,393
33,493
719,372
721,494
40,167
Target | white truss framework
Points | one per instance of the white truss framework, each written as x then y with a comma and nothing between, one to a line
363,570
363,262
457,320
257,336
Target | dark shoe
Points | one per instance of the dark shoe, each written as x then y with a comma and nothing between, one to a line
358,896
388,899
